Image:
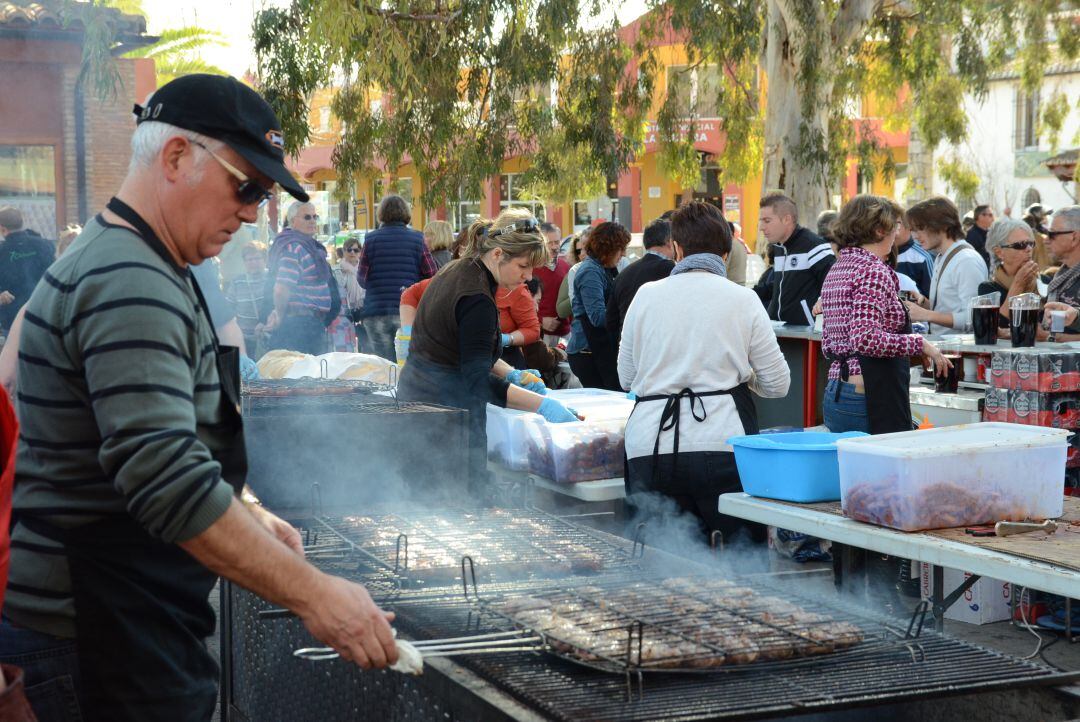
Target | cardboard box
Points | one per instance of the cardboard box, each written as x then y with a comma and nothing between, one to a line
1035,369
996,405
1035,408
986,601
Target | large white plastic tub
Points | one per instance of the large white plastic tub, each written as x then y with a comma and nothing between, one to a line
953,476
512,434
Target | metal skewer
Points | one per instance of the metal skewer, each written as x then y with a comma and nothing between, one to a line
477,644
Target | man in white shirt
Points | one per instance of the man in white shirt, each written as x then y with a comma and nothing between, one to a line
958,270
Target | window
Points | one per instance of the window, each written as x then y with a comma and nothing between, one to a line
510,195
1026,128
696,89
324,119
1031,197
464,211
404,188
28,182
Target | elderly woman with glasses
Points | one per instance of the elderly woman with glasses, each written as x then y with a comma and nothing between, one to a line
343,330
1011,245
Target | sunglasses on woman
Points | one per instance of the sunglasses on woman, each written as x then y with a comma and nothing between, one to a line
1019,245
352,249
525,225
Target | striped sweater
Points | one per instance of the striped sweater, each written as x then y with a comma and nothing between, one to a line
119,402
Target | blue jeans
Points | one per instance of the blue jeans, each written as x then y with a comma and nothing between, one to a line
848,413
50,668
381,331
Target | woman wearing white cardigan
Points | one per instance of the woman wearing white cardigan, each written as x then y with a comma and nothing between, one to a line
694,346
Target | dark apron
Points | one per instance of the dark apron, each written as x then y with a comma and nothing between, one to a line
423,380
886,382
141,605
670,420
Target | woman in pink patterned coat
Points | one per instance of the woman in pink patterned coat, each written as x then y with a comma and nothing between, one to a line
867,333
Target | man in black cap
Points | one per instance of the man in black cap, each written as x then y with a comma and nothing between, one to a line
131,458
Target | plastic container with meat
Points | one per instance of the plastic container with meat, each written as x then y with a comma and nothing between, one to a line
953,476
573,452
508,431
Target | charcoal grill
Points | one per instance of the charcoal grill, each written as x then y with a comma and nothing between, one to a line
264,682
424,548
360,449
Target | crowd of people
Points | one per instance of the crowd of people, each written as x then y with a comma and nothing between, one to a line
127,350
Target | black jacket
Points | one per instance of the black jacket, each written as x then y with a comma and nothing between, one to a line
24,256
976,238
801,264
649,267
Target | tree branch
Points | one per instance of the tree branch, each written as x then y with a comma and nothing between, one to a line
410,17
852,21
787,13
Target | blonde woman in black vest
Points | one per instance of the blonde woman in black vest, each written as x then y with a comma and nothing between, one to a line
456,341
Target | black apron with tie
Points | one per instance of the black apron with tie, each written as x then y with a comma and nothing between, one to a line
886,383
670,420
141,605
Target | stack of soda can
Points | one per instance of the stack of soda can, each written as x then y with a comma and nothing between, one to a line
1038,387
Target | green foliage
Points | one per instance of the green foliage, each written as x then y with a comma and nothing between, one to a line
961,179
458,85
461,84
177,52
1054,110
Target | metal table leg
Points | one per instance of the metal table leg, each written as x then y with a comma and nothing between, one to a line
942,602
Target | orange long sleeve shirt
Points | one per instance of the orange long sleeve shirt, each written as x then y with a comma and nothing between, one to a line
517,312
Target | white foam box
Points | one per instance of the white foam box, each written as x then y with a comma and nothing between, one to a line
986,601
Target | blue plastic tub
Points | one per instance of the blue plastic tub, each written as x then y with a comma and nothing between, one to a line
797,466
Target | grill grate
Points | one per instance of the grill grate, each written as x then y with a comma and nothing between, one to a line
563,690
685,624
424,547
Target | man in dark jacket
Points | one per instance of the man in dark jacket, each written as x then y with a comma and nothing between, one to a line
802,259
24,256
976,237
654,265
394,257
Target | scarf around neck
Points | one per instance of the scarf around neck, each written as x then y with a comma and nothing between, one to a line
702,262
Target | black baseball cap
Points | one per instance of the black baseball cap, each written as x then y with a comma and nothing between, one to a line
225,109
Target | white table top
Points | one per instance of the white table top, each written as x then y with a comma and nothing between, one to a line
599,490
909,545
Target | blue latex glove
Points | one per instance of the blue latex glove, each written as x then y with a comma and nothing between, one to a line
631,395
406,330
248,370
555,412
506,340
529,380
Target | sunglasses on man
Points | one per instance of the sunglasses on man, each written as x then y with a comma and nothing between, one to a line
1052,234
249,192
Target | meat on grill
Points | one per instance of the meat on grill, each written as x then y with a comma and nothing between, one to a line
684,623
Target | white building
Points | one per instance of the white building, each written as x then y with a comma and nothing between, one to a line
1004,147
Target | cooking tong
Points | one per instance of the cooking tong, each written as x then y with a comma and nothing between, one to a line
452,647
